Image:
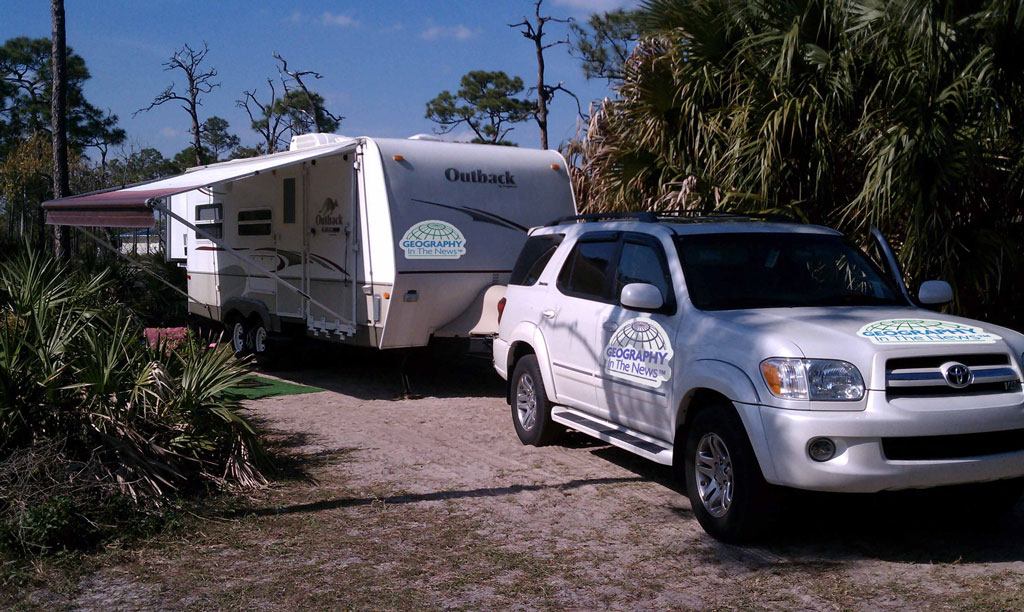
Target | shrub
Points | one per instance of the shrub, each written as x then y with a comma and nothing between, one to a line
139,420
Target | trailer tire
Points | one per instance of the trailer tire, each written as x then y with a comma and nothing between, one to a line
263,345
238,336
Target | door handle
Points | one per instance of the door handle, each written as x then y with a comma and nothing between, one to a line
548,314
610,325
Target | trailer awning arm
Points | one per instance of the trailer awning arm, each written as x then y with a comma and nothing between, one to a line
126,207
141,268
156,205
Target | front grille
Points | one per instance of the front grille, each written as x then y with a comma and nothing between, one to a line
959,446
933,361
946,391
923,376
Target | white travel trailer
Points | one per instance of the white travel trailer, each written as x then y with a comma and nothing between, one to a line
376,242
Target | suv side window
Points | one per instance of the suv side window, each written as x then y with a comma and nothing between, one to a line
533,258
586,271
643,261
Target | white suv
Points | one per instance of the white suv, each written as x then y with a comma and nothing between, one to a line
750,353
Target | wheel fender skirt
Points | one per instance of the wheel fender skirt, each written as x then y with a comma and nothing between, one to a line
249,306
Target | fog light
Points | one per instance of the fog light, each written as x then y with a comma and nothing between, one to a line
821,449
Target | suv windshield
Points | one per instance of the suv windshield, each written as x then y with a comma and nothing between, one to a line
773,270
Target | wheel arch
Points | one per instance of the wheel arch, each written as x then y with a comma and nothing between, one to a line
250,309
718,382
527,340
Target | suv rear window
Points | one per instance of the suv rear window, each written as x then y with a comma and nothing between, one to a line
586,271
535,255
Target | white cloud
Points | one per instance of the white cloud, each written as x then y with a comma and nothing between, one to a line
295,17
458,32
398,27
457,136
337,19
169,132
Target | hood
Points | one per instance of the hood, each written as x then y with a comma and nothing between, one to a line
867,336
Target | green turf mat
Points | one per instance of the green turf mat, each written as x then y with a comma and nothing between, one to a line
258,387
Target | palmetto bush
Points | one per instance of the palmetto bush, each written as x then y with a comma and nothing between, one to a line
75,371
904,115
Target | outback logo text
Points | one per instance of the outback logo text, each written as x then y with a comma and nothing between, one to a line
455,175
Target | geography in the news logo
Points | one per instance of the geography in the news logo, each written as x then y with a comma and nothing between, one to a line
924,331
433,239
640,352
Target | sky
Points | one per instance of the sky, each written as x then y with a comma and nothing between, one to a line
381,61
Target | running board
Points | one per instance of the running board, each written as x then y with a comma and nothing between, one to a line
616,435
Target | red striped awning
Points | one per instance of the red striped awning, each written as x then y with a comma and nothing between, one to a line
122,208
126,207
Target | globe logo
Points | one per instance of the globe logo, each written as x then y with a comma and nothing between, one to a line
924,331
433,239
639,334
639,351
436,230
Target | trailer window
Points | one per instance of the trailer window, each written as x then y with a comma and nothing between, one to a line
208,219
533,258
289,200
255,222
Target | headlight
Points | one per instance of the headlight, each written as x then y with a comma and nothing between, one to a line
814,379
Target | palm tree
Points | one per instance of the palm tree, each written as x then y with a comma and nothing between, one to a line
851,113
59,123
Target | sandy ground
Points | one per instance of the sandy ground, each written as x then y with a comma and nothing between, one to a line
433,503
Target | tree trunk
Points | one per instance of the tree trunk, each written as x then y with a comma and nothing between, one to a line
542,96
58,124
196,143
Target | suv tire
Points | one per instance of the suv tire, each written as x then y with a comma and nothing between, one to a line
729,495
531,410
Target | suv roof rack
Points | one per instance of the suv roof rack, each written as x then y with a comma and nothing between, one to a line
644,217
674,216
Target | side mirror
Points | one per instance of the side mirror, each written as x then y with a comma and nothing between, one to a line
641,296
935,292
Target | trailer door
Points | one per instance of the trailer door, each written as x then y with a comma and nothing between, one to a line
329,240
289,243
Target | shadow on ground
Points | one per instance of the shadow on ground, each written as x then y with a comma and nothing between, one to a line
411,498
445,370
930,526
816,529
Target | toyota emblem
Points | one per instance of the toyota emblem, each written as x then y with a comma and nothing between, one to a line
957,375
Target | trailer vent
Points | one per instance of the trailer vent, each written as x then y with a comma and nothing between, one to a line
309,141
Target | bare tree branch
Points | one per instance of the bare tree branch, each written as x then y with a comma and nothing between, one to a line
199,82
315,109
265,122
534,31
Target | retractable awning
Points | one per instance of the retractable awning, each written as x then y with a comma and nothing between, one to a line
127,207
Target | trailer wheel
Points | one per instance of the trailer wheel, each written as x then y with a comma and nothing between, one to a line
262,345
239,336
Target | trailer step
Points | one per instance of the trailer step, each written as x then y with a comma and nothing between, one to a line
616,435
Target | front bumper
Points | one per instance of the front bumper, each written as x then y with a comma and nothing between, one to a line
860,464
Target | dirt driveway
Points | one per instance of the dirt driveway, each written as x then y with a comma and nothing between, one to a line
434,504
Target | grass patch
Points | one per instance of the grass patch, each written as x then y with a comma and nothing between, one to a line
259,387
